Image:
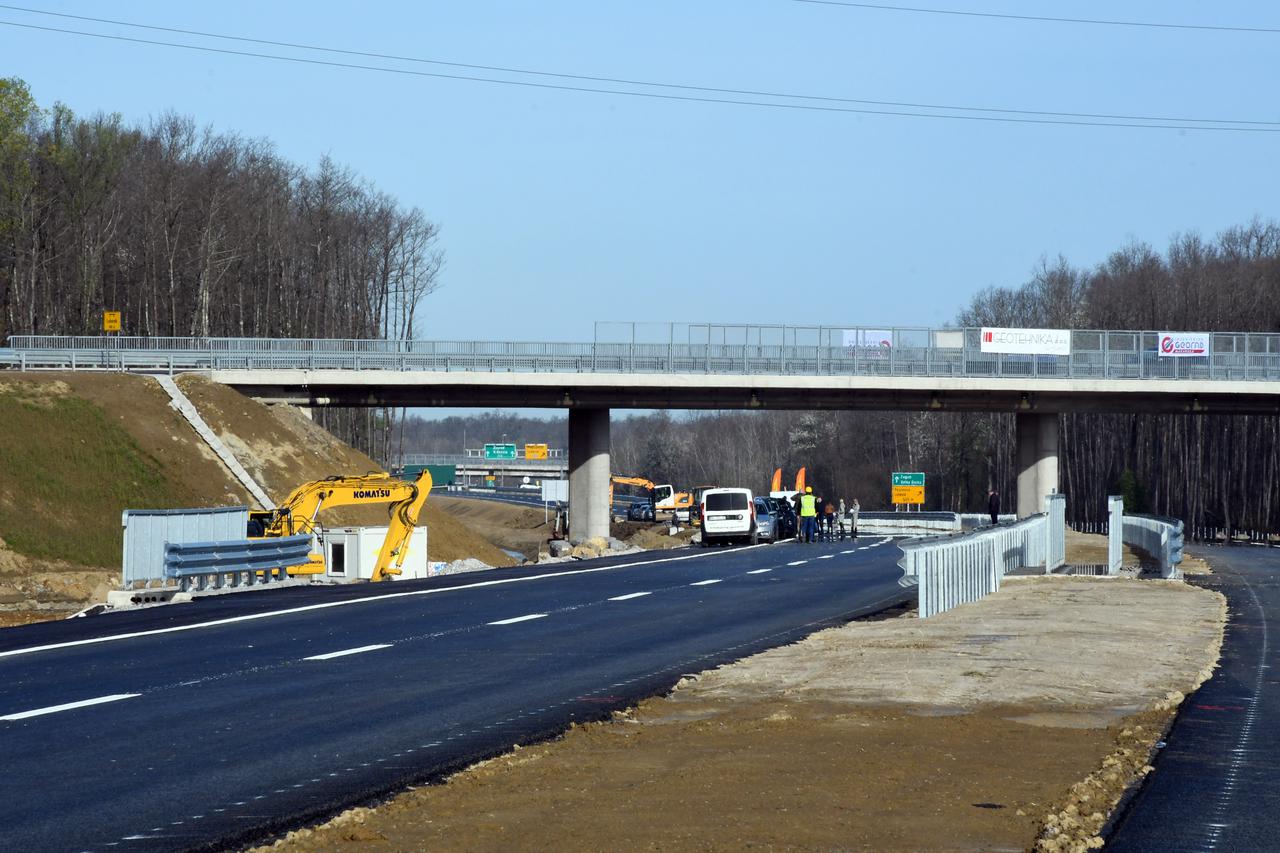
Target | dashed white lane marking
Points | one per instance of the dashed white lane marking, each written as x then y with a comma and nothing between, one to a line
826,556
630,596
759,571
250,617
516,619
849,551
798,563
345,652
706,582
84,703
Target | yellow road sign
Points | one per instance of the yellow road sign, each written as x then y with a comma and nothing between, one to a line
110,321
908,494
535,451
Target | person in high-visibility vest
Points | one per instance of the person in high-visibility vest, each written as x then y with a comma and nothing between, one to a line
809,514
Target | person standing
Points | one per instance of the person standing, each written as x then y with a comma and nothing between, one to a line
993,506
829,520
809,514
795,502
842,513
853,518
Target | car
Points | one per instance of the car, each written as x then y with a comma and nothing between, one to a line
785,513
766,521
641,511
728,515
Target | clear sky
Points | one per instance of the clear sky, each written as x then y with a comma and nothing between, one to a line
560,208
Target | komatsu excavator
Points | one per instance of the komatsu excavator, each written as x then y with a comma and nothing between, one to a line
297,515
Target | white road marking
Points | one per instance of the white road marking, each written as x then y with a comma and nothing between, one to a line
826,556
345,652
84,703
518,619
759,571
630,596
849,552
250,617
798,563
705,583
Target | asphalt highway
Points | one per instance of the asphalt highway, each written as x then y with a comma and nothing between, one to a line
238,716
1215,785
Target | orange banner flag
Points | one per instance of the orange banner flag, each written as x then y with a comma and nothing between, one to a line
800,480
776,484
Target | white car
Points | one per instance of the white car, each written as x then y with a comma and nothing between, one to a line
728,515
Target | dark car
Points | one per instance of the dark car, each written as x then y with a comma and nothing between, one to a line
785,513
641,511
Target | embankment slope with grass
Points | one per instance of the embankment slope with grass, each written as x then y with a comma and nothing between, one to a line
76,449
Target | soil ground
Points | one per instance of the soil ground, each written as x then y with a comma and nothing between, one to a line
78,448
1011,723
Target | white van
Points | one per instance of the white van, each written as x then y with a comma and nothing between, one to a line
728,515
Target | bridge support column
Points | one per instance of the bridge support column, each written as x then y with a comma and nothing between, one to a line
1037,461
589,510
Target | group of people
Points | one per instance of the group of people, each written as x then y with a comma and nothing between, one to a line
820,519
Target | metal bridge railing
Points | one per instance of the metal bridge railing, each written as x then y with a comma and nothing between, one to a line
914,352
1161,538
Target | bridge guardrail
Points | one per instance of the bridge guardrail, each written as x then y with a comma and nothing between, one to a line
210,564
1158,536
1095,354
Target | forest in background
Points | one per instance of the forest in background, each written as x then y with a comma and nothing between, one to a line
191,232
1213,471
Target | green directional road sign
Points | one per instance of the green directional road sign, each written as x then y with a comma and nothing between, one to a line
901,479
499,451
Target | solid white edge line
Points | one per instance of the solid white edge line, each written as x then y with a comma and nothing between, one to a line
516,619
759,571
629,596
345,652
53,709
250,617
706,582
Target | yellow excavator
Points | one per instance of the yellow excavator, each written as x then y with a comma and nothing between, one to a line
664,497
297,515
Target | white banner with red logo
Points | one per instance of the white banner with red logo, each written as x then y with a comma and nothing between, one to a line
1184,344
1027,341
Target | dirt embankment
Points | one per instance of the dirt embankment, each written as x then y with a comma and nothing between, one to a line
79,448
1011,723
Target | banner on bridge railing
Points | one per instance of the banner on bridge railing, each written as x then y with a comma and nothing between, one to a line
1184,344
1027,341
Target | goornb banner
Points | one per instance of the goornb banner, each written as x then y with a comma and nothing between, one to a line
1184,344
1027,341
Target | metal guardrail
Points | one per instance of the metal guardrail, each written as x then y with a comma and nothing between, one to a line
147,531
915,352
237,562
1160,537
559,463
953,570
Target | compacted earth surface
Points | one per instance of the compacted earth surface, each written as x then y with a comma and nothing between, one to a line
1012,723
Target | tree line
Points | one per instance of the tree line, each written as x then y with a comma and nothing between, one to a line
191,232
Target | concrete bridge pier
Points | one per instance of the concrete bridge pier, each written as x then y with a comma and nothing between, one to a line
589,509
1037,437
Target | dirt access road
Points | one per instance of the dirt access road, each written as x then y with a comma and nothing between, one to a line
1011,723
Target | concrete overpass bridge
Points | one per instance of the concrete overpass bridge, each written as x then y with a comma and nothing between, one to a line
718,367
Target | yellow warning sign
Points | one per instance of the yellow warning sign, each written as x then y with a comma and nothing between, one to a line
908,494
110,321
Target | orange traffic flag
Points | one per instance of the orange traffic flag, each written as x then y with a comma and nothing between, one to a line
800,480
776,484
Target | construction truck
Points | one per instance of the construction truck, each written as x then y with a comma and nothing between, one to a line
663,497
298,515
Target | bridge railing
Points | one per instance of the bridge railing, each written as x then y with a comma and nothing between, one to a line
915,352
1159,537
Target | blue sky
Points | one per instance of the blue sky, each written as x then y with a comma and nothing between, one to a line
561,208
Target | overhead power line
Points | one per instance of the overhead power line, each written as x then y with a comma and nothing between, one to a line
1159,25
1136,122
750,93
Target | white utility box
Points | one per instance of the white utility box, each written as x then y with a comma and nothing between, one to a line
350,553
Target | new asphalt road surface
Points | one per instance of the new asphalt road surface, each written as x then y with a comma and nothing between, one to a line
237,716
1216,784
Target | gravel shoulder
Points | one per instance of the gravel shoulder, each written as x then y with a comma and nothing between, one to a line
1011,723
